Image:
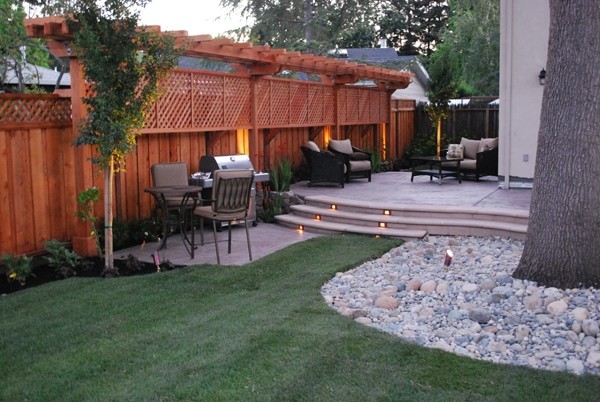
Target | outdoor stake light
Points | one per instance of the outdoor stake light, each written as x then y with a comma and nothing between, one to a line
542,76
448,258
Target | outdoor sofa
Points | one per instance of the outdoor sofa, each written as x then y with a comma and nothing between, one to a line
480,157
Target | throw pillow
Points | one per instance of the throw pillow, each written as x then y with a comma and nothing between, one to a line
488,143
455,151
359,156
343,146
312,146
471,148
327,153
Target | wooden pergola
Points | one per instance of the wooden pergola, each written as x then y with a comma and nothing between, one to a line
256,60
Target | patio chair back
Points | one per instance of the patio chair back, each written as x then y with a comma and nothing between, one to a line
230,202
169,174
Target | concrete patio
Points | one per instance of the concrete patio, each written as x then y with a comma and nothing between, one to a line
394,187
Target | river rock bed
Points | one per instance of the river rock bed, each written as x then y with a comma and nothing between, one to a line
473,307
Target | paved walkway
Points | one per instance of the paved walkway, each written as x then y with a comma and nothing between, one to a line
393,187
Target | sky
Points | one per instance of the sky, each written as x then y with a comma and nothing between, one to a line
195,16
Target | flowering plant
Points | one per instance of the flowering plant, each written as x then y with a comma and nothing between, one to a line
19,268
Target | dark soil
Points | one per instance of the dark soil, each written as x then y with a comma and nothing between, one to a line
90,267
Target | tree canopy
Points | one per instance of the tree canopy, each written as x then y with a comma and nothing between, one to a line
473,32
413,26
311,25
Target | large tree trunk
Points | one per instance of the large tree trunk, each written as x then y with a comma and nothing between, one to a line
563,239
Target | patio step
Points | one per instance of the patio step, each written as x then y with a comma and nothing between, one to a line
428,219
325,227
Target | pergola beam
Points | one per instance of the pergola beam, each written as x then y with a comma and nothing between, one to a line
259,60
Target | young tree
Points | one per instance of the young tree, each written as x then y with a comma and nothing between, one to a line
443,87
562,248
123,67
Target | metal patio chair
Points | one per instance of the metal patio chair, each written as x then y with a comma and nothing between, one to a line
230,202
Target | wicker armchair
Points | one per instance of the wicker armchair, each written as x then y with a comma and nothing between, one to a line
324,167
357,161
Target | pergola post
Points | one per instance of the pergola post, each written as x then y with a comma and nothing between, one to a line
254,133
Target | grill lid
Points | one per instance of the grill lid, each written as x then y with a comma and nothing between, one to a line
209,163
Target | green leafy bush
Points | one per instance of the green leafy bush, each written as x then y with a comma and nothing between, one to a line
64,261
19,268
135,232
281,176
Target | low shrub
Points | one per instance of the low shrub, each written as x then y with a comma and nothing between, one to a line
64,261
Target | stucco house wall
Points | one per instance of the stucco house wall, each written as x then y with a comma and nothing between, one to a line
523,53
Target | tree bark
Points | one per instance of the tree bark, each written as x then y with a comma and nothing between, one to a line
562,248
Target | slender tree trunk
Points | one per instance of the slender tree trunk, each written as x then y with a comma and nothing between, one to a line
109,173
563,239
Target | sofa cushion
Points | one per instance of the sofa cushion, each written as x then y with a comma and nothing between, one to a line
468,164
312,146
359,166
359,156
327,153
455,151
471,148
488,143
343,146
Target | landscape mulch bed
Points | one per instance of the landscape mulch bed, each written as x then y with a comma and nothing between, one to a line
91,267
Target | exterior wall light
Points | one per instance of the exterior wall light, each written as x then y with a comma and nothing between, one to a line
318,217
382,224
300,227
333,206
542,76
386,212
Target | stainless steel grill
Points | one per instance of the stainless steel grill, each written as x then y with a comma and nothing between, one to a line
209,163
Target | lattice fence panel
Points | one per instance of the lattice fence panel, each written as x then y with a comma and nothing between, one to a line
351,111
363,106
174,105
237,103
208,91
329,105
280,103
34,109
263,96
298,103
316,104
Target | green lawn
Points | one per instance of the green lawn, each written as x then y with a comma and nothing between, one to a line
258,332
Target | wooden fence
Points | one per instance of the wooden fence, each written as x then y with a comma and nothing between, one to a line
40,171
471,121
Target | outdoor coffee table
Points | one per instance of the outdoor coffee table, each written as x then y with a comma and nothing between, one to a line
434,167
189,201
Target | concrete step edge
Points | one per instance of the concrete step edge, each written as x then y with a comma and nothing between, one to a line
425,208
354,217
349,228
